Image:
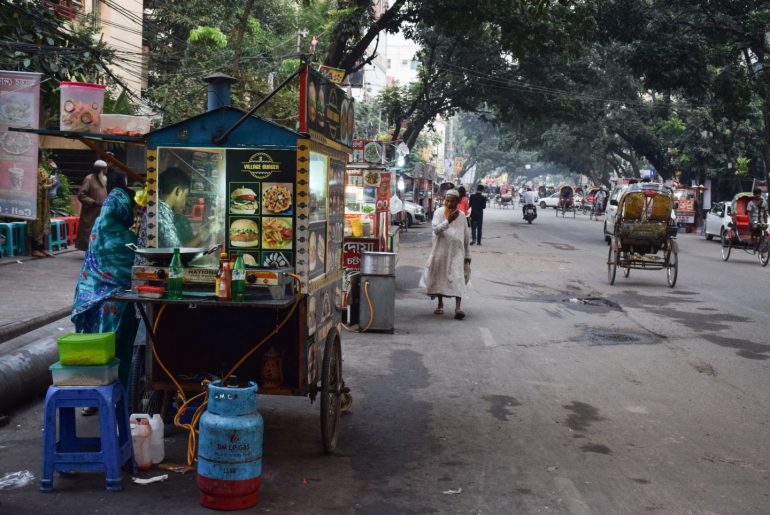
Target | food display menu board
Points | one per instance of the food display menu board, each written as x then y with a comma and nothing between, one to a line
261,199
330,112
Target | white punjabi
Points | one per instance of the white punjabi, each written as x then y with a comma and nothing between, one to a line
445,273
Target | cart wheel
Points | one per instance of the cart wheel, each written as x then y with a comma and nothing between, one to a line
612,266
331,391
673,268
726,245
764,251
626,272
347,402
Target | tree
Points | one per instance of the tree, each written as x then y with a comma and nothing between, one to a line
38,39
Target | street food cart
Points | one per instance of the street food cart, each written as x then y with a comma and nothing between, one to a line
277,197
686,207
368,188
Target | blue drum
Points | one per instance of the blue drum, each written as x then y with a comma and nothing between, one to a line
230,448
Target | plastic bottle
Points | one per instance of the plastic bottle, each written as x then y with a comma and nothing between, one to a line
157,449
141,440
225,279
175,276
239,280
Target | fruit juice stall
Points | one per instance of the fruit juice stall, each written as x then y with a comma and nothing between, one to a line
274,197
368,188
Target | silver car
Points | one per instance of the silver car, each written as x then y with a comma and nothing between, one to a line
717,219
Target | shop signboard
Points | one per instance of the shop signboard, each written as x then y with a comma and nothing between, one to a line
19,107
329,111
261,205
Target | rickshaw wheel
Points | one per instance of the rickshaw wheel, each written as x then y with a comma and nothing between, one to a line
672,271
626,272
726,246
612,266
764,251
331,391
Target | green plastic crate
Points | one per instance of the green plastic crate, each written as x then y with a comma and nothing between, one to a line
86,349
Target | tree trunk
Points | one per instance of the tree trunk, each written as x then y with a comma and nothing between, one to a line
239,35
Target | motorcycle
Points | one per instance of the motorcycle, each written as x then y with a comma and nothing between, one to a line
530,213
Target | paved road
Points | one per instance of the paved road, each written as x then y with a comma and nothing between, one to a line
643,400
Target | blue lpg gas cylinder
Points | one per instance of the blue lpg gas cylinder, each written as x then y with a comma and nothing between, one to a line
230,448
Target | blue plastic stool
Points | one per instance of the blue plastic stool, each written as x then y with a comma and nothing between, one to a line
7,245
107,453
57,239
19,238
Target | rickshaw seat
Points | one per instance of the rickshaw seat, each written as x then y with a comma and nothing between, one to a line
742,222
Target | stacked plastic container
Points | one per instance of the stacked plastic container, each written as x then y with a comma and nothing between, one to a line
85,360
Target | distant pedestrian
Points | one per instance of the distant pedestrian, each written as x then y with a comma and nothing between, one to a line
91,195
40,228
449,262
477,203
463,205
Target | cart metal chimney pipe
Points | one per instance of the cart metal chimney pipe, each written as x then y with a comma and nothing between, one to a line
219,90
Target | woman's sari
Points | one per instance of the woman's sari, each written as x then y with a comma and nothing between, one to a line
106,270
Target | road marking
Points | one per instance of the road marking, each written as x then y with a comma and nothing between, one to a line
486,336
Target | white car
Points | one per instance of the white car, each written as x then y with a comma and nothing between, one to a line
551,200
415,214
717,219
612,209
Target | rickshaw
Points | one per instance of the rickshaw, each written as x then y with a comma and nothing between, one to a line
566,201
739,233
644,228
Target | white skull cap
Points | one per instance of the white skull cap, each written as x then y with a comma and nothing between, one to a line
100,164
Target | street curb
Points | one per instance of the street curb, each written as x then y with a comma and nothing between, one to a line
17,329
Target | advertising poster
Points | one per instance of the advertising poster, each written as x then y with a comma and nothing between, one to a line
19,107
330,113
261,206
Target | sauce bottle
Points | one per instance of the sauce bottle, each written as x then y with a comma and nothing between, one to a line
222,259
225,278
175,276
239,280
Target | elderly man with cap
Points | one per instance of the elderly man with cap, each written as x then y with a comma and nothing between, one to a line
450,258
91,195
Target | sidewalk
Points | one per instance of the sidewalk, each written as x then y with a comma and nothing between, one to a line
36,291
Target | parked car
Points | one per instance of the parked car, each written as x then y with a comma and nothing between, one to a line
611,211
717,219
415,214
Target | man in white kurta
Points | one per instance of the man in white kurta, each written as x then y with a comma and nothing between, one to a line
449,255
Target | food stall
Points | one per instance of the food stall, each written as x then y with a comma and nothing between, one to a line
368,188
686,207
276,196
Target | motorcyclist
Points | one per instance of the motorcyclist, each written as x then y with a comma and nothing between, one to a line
757,211
529,200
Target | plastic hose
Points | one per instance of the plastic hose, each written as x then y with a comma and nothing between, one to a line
192,446
371,313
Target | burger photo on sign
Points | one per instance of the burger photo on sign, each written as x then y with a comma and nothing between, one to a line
244,233
243,201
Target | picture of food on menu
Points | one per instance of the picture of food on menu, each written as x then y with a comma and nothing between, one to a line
243,200
321,106
250,259
276,259
321,251
311,99
313,251
277,233
371,178
276,198
244,233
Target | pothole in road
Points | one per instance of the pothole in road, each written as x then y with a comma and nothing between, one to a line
591,304
602,337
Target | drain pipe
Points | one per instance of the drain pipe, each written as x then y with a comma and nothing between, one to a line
24,373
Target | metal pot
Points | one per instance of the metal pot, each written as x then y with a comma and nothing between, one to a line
162,255
379,263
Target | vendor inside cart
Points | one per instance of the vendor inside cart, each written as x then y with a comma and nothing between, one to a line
174,229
